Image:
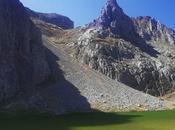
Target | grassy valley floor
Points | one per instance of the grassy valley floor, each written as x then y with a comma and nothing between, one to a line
163,120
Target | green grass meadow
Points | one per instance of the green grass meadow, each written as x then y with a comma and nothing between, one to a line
162,120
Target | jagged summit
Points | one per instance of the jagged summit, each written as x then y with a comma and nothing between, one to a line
114,5
113,20
109,13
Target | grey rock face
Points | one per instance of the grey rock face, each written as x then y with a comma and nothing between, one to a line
56,19
151,30
22,58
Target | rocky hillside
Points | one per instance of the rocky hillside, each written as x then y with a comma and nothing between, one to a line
80,88
113,44
53,18
22,57
97,92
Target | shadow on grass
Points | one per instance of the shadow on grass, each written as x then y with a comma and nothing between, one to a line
38,121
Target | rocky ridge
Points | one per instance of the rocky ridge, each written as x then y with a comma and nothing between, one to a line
53,18
151,30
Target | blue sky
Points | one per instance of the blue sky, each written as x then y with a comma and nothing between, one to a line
84,11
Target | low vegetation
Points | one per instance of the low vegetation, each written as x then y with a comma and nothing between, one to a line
163,120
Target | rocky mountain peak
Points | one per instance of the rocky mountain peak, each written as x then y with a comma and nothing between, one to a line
113,5
110,13
114,21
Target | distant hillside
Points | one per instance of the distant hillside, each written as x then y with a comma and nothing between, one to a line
53,18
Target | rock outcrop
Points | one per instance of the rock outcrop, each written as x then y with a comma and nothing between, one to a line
22,58
53,18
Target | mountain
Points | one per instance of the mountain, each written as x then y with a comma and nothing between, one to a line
53,18
118,46
23,64
97,67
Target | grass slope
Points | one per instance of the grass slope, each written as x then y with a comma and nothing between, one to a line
164,120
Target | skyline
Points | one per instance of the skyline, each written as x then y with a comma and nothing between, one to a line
161,10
